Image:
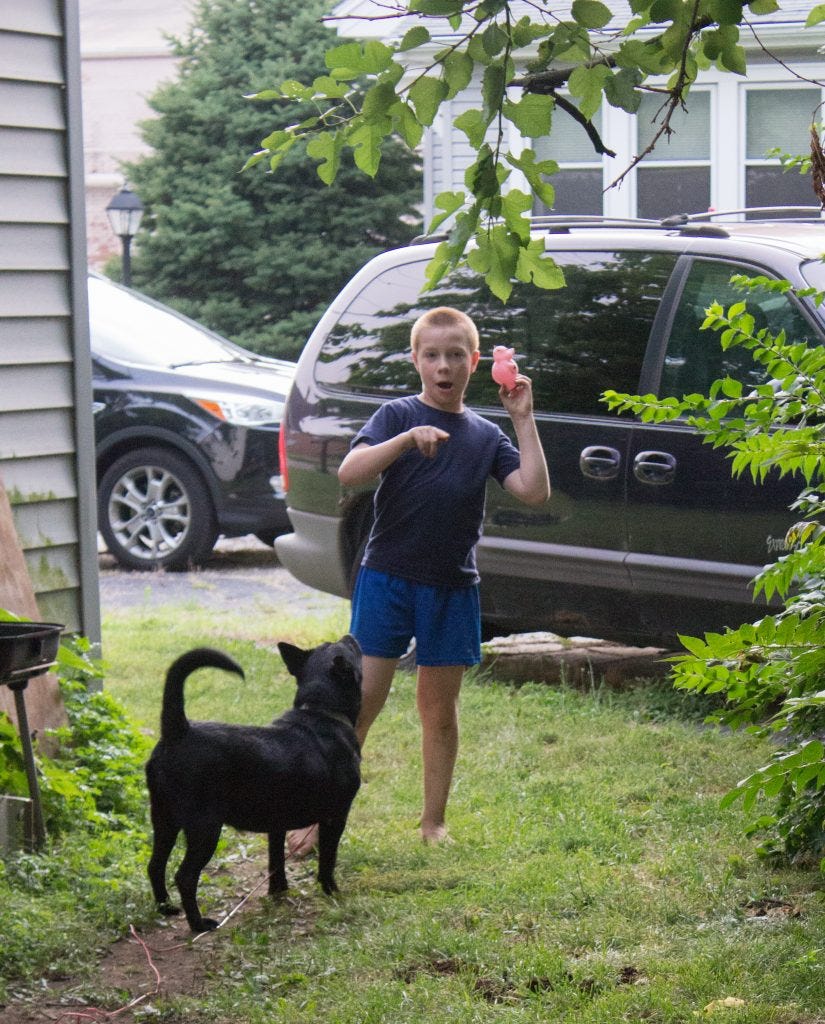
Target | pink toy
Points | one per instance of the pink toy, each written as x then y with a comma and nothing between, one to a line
504,368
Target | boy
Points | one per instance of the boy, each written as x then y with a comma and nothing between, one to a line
418,576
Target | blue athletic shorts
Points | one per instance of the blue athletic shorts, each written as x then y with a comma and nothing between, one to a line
388,611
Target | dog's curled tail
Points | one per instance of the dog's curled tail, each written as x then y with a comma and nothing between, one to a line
173,721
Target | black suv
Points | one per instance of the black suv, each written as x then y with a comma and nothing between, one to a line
186,433
646,533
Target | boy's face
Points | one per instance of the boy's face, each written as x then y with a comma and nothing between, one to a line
444,359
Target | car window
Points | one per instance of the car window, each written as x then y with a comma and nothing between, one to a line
135,330
695,358
573,343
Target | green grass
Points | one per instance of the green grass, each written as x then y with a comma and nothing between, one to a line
592,878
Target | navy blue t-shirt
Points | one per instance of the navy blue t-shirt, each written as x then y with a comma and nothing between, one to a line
428,512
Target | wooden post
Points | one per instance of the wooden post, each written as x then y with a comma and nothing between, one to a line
44,705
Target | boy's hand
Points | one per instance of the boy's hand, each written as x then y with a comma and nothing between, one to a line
519,401
427,440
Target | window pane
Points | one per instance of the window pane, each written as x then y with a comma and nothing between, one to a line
771,186
780,118
663,191
695,357
577,192
568,143
691,129
573,343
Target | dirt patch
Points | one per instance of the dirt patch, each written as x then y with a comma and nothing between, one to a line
154,963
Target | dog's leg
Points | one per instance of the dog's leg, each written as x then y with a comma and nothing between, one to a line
200,845
277,873
165,835
329,835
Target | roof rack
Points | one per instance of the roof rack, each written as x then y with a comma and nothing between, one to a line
699,222
768,212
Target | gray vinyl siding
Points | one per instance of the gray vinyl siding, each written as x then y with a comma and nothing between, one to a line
46,432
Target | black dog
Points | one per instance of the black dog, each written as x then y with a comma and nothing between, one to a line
302,769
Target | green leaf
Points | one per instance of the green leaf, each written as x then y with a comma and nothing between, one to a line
763,6
535,266
426,95
448,203
526,31
458,71
350,60
591,13
815,15
725,12
493,86
330,88
474,126
532,114
514,204
418,35
494,39
443,7
378,101
326,147
587,85
366,147
621,89
734,59
407,124
496,258
534,171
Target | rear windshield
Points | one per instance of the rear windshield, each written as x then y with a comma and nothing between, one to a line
131,329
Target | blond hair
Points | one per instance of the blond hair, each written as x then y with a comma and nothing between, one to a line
445,316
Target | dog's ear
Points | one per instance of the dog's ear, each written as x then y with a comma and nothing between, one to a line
294,658
345,670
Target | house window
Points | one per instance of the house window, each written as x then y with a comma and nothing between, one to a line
778,118
675,177
579,181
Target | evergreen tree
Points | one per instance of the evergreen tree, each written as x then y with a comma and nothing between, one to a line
255,256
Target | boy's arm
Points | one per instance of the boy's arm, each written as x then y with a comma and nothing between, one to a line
365,462
529,483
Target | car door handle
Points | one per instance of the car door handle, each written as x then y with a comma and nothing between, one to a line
655,468
600,463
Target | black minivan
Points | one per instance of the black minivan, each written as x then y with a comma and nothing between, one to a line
646,534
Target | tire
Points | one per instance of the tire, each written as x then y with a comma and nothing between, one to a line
154,511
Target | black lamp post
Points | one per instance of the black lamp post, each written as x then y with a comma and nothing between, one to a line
125,211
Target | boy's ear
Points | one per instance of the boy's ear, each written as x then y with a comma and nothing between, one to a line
474,358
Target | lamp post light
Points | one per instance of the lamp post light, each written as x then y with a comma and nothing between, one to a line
125,211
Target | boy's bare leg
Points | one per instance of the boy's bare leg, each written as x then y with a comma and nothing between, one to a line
375,688
437,696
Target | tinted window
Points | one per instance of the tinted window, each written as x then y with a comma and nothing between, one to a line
695,357
573,343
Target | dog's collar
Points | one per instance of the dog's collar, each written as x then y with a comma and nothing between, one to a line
338,716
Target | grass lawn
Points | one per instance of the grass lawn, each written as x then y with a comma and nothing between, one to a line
592,878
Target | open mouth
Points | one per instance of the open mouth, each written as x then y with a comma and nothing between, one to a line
444,385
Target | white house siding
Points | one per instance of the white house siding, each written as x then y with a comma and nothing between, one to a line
447,153
46,433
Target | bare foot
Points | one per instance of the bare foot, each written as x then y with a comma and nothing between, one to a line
432,835
302,842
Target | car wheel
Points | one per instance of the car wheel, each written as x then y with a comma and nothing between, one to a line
154,511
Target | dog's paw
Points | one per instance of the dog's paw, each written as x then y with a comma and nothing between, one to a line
168,909
328,885
206,924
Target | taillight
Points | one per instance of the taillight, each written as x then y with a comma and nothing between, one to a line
282,466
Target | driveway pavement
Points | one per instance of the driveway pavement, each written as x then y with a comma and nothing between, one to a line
241,571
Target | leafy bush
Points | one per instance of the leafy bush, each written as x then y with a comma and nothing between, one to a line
771,671
95,779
